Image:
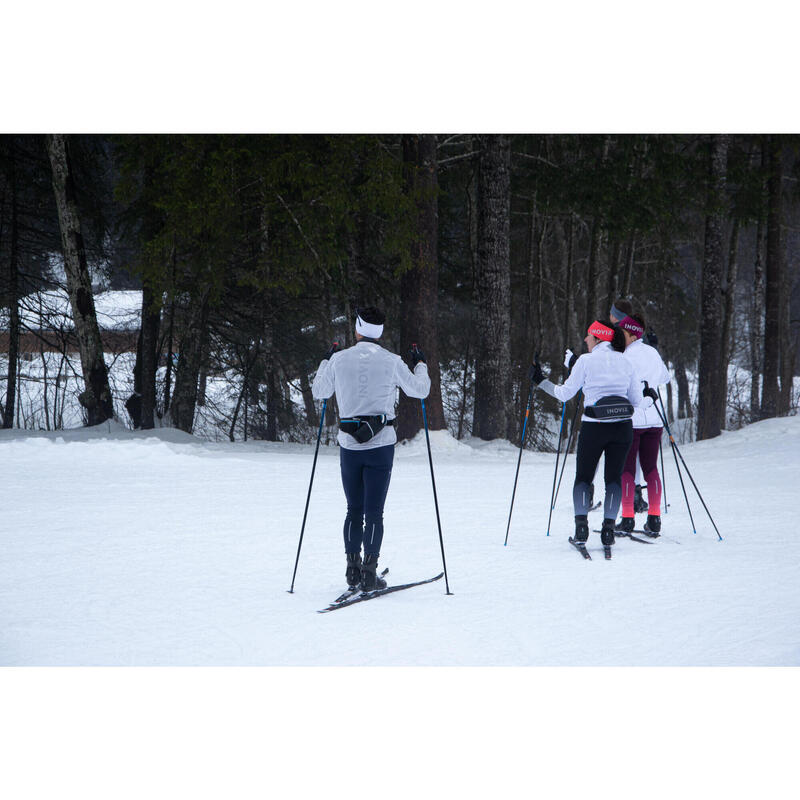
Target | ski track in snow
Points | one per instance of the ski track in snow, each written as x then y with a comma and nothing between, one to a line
159,549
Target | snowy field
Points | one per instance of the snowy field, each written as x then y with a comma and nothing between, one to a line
160,549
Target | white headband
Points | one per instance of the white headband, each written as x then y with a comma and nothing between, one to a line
368,329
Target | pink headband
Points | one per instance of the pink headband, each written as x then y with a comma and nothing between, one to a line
600,331
632,326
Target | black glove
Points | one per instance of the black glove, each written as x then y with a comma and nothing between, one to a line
648,392
334,348
651,338
535,373
416,356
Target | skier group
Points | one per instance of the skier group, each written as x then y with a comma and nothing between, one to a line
616,377
620,421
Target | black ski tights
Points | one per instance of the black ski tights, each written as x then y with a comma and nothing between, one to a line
614,439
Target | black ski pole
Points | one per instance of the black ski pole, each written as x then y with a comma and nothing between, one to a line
519,458
308,498
675,448
661,454
555,472
435,500
569,444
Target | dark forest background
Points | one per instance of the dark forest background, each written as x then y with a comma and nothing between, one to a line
253,251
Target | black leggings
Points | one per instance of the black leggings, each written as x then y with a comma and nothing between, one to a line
365,477
614,439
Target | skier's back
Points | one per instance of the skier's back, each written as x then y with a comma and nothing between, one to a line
365,378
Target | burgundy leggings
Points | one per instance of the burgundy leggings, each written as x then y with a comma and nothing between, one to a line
645,446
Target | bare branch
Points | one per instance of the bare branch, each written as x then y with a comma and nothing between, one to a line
534,158
302,233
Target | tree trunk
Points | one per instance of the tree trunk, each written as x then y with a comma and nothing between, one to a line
774,281
629,262
419,285
684,398
202,383
568,291
308,401
756,326
96,397
709,396
591,273
13,302
493,358
151,323
729,298
670,414
184,398
133,404
787,353
613,273
592,277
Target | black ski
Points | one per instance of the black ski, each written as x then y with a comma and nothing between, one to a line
628,535
580,547
377,593
351,590
607,551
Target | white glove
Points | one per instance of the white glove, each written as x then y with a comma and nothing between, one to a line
569,358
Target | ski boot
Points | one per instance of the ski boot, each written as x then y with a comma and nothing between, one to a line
581,528
639,503
607,536
370,580
607,532
626,525
653,525
353,573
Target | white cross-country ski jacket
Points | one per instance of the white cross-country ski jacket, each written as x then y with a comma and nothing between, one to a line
647,366
365,378
601,373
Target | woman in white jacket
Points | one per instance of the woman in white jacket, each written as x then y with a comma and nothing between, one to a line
610,394
647,429
365,378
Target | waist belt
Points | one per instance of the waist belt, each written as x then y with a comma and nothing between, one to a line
611,407
362,428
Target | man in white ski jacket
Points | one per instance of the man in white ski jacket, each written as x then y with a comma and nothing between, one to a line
647,428
365,378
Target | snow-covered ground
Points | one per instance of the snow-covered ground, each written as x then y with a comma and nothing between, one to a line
124,548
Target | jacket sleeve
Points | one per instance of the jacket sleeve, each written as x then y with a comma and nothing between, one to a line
414,384
635,391
571,386
323,385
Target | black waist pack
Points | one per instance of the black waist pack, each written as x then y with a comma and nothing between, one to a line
362,429
611,407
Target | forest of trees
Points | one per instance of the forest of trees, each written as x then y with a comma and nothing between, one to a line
252,252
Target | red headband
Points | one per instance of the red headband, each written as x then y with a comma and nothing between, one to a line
600,331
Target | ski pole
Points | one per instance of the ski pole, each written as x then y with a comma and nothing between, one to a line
676,450
555,473
569,444
519,458
435,500
308,498
661,454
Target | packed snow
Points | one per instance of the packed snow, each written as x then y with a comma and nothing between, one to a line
158,548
